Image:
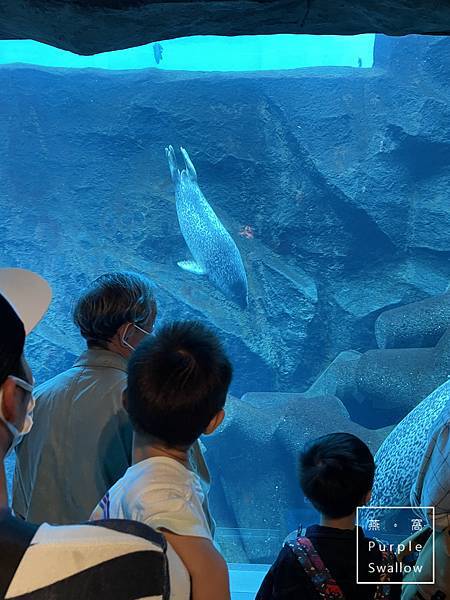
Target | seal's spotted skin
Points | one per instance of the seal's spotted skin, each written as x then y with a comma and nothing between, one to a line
214,251
399,457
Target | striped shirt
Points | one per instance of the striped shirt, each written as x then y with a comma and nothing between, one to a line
116,559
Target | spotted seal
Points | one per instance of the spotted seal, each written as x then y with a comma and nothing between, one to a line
400,455
215,253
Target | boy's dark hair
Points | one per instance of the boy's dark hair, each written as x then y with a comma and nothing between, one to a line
177,382
110,301
336,472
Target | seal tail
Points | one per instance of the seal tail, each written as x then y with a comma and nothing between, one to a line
171,159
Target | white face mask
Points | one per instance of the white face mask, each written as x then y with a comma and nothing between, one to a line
124,341
28,421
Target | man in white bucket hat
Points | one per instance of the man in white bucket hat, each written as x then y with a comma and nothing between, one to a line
101,560
25,298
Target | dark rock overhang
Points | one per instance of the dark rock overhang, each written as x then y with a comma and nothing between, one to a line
93,26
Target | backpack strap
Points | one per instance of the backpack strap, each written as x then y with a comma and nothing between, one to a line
321,578
383,591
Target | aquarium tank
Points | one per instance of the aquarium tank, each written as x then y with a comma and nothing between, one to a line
312,235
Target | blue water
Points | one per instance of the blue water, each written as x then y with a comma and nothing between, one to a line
332,183
208,53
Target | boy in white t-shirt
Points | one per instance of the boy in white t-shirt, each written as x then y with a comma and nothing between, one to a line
178,381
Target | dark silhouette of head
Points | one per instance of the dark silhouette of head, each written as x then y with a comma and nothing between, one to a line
178,381
336,473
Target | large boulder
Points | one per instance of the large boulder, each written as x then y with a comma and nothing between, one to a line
379,387
339,378
390,383
417,325
254,461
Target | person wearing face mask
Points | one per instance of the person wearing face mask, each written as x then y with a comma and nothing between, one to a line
107,559
16,392
81,442
18,434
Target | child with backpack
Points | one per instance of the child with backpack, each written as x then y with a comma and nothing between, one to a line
336,475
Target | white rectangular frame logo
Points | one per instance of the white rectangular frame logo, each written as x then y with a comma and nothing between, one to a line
413,508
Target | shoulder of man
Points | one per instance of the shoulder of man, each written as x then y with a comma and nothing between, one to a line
61,382
69,383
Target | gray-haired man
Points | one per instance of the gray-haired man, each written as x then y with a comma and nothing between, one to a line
81,442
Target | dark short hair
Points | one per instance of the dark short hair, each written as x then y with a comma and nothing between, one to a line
177,382
336,472
12,341
110,301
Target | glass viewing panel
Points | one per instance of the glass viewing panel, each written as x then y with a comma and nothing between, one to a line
325,160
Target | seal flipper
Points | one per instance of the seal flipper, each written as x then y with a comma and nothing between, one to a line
190,169
191,266
171,159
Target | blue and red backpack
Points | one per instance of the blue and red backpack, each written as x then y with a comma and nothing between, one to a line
321,578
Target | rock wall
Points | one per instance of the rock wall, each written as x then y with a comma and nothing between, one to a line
341,173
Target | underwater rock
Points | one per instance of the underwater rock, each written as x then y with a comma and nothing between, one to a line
260,438
339,379
386,286
390,383
400,455
306,418
245,444
343,190
426,62
417,325
382,386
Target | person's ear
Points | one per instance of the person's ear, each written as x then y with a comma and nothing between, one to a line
125,400
11,400
215,422
367,497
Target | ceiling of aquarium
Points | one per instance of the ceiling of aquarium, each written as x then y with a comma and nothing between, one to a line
208,53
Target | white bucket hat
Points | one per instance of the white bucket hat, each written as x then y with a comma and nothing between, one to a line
28,293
